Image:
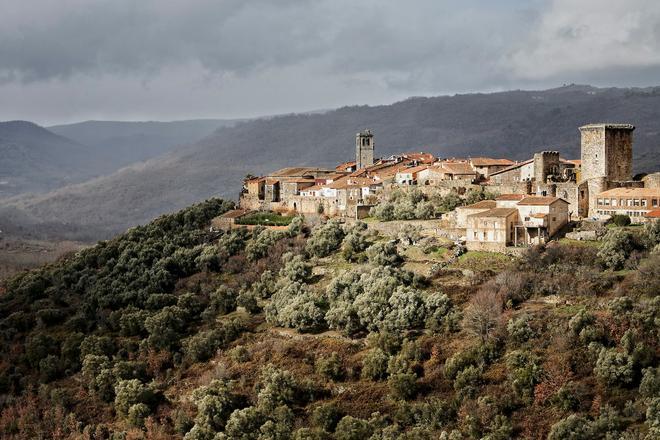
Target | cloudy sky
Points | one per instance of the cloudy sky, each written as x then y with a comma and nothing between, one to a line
70,60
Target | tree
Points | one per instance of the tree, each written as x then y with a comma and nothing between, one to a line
129,393
384,253
616,247
325,239
483,314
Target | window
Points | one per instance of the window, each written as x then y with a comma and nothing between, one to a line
614,202
606,202
600,201
644,202
554,219
654,203
636,202
630,202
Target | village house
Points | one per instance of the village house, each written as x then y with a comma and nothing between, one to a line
512,220
491,230
485,166
633,202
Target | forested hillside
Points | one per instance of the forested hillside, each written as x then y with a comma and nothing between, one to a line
173,330
509,124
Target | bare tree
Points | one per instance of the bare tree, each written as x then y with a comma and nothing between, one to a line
483,314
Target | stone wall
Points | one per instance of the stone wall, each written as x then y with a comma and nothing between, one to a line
428,227
619,145
652,180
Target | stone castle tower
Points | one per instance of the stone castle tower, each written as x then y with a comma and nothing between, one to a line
364,149
606,153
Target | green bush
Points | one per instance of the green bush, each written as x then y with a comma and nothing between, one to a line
259,246
351,428
439,313
467,381
166,327
265,219
215,403
616,247
374,364
223,300
384,253
330,367
573,427
244,424
650,384
402,385
276,387
519,329
325,239
613,367
326,416
138,413
524,373
49,368
129,393
619,220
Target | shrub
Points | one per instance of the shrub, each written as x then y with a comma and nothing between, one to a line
613,367
244,423
325,239
138,413
159,301
129,393
353,246
276,387
165,327
403,385
239,353
438,307
49,368
330,367
519,329
248,300
326,416
221,301
650,384
384,253
619,220
296,268
407,310
573,427
524,373
100,345
209,259
259,246
351,428
467,381
131,322
374,364
204,345
616,247
215,402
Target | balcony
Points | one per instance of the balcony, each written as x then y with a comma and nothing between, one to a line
536,221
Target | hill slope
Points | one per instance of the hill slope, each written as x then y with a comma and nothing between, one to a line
170,330
130,142
35,159
509,124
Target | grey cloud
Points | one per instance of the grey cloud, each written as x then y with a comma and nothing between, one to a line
122,59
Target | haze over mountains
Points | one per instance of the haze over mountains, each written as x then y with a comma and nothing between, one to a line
511,124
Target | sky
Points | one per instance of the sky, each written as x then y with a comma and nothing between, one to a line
70,60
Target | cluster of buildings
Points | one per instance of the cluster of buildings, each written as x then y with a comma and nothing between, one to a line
538,197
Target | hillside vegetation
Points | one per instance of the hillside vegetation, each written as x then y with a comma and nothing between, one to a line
509,124
172,330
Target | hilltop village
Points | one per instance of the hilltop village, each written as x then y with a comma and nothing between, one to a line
526,202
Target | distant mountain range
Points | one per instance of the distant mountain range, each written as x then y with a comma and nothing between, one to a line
37,159
511,124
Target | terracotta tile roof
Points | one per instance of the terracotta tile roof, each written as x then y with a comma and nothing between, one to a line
487,161
413,170
457,168
653,214
345,165
631,192
421,157
512,167
539,201
496,212
511,197
483,204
